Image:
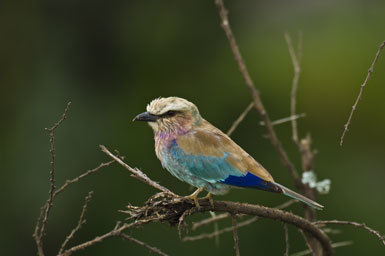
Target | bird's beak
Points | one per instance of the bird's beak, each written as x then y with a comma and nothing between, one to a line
146,117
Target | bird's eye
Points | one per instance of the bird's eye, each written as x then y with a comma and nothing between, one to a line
171,113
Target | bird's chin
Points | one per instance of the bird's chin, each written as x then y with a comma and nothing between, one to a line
154,125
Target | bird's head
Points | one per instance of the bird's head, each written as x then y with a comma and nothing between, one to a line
170,114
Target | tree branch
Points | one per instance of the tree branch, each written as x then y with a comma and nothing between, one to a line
255,95
355,224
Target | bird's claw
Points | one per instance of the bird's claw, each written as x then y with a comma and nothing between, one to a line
194,197
209,197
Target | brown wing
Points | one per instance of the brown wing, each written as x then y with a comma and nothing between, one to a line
207,140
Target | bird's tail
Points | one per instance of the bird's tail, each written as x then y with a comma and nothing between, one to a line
299,197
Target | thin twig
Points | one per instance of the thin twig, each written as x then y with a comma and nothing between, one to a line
235,235
306,241
240,119
82,176
221,231
370,71
295,58
216,227
285,119
286,239
334,245
356,224
210,220
136,172
80,222
150,248
255,95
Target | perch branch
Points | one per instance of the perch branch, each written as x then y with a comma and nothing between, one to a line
370,71
255,95
166,207
355,224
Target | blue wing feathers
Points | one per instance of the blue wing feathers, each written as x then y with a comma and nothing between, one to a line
251,181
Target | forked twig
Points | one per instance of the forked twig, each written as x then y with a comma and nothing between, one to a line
370,71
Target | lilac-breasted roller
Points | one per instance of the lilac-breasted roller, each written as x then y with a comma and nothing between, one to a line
196,152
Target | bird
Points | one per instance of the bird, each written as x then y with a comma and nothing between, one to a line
196,152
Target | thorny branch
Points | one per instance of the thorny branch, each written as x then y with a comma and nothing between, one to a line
45,210
370,71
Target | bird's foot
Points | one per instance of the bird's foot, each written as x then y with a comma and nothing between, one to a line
194,196
209,197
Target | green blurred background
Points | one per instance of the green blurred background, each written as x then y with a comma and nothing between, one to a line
110,58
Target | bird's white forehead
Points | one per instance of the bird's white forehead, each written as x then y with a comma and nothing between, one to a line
162,105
